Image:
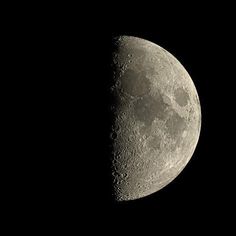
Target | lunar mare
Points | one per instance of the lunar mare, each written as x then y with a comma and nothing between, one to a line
156,118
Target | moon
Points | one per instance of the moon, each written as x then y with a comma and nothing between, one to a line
156,118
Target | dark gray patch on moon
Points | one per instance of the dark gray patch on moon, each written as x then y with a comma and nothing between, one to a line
175,125
146,109
135,83
181,97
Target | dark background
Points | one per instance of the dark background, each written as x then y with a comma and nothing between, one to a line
66,76
202,194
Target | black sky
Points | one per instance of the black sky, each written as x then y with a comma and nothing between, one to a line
74,73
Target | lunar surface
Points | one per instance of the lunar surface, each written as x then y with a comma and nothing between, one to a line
156,118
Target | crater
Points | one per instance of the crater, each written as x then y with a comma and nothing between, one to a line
181,97
146,109
167,100
135,83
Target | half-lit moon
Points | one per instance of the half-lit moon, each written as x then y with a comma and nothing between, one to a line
157,118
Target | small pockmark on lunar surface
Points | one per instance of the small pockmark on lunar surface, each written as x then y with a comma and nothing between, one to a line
167,100
113,135
181,97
